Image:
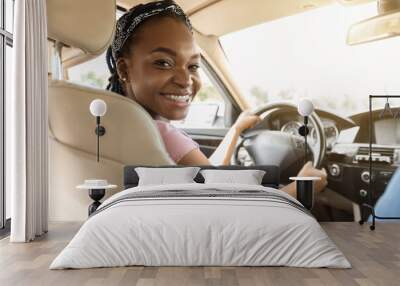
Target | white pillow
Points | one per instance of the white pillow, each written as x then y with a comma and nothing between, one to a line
248,177
163,176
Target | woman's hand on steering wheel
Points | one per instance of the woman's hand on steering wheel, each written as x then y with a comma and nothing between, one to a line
245,121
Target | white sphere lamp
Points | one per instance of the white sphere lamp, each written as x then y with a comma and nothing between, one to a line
305,107
98,108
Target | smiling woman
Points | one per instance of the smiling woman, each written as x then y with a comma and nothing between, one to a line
147,68
155,61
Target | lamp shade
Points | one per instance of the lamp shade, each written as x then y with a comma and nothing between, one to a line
305,107
98,107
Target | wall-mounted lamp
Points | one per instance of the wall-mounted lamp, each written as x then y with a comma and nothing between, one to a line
98,108
305,108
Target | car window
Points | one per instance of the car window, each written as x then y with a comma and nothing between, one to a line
306,55
206,111
93,73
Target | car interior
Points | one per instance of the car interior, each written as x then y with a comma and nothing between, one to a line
338,143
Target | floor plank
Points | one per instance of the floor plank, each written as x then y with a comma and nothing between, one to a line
375,257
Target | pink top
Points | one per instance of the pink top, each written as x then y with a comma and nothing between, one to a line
176,141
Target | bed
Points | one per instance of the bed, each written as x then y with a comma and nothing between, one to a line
201,224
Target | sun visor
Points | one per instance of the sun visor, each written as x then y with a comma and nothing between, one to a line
88,25
376,28
385,25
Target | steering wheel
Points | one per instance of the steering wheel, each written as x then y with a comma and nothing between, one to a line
269,147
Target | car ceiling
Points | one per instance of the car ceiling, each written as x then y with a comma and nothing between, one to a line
214,18
188,6
231,16
234,15
221,17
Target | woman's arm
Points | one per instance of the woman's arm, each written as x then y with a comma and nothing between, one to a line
290,189
308,171
223,154
194,158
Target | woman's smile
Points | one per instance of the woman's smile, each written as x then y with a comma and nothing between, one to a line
175,102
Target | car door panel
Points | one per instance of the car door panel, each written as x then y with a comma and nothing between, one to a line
207,138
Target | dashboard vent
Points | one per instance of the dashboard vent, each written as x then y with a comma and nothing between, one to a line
379,154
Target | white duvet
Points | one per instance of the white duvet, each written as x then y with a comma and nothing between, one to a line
183,231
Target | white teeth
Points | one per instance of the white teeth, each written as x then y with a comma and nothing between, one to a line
179,98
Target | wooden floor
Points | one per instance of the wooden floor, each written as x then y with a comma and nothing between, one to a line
375,257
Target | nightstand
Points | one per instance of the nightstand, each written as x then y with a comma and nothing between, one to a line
97,190
305,190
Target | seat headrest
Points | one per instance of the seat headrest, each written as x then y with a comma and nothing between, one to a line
88,25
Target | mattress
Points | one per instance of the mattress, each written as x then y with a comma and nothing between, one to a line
201,225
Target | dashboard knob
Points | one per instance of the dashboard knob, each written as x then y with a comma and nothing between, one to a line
365,177
334,170
363,193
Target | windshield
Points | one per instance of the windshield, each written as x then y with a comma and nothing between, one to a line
306,55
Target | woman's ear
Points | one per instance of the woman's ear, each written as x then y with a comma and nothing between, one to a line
122,70
123,74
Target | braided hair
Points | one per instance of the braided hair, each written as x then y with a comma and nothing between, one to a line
127,24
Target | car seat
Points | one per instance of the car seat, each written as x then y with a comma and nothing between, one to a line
131,135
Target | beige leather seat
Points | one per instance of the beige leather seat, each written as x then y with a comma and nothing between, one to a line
131,136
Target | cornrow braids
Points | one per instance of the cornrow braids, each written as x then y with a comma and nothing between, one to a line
125,27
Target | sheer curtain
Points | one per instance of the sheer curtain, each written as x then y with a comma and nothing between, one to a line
26,123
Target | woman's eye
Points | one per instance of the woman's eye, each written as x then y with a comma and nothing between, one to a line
163,64
194,68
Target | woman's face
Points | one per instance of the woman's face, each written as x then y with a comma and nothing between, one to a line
162,67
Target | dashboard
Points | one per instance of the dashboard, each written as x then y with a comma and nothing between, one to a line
330,129
347,153
386,131
290,122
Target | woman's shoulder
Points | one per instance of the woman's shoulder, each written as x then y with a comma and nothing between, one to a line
177,142
167,129
164,125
